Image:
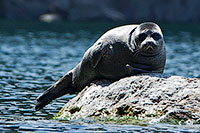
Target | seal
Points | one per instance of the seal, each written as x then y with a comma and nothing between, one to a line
120,52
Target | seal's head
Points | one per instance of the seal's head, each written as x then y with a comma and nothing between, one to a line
148,39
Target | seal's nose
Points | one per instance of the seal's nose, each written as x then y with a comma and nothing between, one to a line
151,43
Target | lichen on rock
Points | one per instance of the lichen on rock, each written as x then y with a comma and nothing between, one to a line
151,97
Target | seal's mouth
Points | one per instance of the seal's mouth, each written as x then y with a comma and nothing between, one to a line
149,50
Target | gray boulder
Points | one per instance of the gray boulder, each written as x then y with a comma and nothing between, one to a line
151,97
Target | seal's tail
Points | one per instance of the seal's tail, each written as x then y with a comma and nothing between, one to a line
60,88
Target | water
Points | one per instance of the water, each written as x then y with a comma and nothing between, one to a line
34,55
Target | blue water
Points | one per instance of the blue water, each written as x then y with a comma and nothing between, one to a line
34,55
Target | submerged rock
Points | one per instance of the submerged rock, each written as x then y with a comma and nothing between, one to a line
151,97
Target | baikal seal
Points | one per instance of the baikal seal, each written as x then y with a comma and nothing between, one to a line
120,52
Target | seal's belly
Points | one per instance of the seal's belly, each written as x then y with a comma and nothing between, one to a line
113,65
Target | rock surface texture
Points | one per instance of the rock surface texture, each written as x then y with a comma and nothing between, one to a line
154,97
123,10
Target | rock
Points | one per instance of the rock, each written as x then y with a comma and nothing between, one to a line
152,97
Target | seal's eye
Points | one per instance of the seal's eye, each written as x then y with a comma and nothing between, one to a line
156,36
142,37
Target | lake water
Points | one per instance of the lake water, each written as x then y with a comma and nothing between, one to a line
33,55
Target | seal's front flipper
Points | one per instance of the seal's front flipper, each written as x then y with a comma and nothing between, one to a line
133,70
98,51
60,88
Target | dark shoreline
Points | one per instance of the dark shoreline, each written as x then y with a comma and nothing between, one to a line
110,10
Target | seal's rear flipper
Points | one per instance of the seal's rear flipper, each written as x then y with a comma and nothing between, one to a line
60,88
